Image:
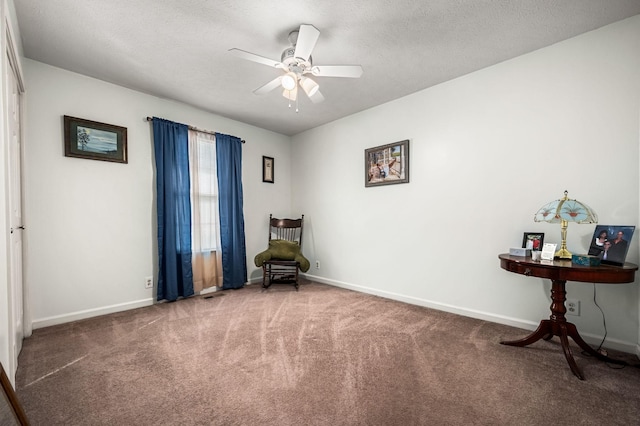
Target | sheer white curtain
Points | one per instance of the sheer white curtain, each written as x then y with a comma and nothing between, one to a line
205,235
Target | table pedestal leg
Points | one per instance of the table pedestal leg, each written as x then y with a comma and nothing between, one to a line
557,325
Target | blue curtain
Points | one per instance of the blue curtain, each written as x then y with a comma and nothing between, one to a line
170,141
234,251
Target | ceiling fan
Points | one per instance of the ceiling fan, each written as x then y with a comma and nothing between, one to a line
296,62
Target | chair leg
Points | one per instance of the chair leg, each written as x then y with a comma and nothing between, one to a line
264,276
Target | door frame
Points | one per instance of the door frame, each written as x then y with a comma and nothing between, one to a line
10,63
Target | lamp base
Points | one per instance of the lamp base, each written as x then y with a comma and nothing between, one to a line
563,254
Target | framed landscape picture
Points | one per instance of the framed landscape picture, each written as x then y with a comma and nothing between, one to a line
387,164
94,140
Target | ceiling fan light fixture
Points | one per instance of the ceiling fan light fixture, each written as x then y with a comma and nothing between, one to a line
310,87
290,94
289,81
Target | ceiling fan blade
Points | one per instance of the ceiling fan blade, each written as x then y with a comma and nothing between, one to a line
307,39
256,58
349,71
268,87
317,97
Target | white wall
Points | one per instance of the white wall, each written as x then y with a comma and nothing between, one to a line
487,150
91,225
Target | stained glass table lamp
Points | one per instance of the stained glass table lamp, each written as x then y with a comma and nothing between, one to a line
564,211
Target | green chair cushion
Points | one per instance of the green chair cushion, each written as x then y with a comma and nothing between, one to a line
283,250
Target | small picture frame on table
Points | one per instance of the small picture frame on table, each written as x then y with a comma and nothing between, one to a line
267,169
611,243
533,241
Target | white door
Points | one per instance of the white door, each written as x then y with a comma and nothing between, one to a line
16,320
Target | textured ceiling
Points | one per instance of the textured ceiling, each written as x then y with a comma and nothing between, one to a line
178,49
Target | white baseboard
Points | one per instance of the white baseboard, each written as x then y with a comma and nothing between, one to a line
623,346
255,280
208,290
90,313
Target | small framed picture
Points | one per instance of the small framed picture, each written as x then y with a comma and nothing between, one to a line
94,141
611,243
533,240
387,164
267,169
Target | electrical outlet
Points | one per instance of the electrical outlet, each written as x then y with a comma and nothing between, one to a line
148,282
573,307
317,264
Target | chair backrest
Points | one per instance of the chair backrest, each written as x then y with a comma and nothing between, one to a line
286,229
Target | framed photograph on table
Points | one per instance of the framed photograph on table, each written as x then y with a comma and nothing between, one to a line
267,169
94,140
533,240
611,243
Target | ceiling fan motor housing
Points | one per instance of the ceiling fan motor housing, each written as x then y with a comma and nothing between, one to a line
296,65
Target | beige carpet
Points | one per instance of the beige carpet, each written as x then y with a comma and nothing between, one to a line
320,356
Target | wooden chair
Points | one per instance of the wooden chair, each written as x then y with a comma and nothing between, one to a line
279,270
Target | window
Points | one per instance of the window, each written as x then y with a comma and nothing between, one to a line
204,192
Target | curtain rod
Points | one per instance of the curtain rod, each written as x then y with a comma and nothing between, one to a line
196,129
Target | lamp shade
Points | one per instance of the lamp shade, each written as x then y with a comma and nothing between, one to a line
564,211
